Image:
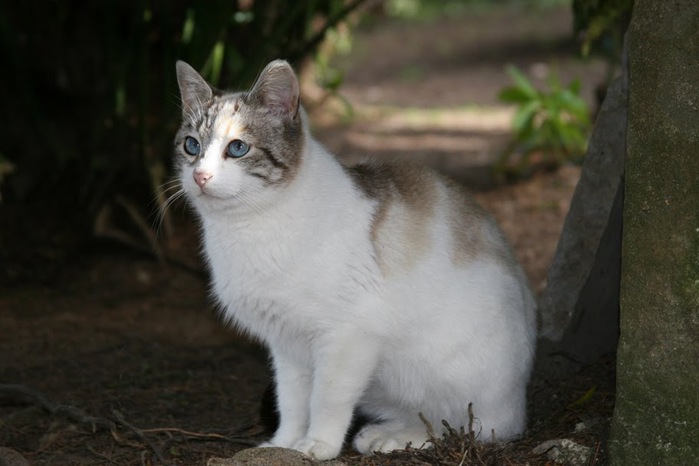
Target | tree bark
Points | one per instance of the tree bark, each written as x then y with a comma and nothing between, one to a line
656,418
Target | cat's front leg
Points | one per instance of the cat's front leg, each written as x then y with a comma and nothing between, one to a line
294,385
344,367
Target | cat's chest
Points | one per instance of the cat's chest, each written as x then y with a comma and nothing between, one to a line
287,271
250,283
250,263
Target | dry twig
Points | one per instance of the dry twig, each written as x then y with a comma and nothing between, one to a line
68,412
139,433
94,424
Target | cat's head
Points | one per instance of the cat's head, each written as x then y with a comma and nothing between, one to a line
239,149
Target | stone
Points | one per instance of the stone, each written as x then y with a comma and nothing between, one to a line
579,307
271,456
10,457
564,451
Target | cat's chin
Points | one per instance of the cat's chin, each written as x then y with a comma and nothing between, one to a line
218,204
210,199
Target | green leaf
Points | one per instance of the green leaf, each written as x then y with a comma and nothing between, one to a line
524,117
513,95
333,80
585,398
575,86
522,82
553,122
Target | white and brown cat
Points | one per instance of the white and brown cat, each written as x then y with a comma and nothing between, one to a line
382,288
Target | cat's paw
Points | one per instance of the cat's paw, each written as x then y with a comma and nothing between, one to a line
317,449
385,438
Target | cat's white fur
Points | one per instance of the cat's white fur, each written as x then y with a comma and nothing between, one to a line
351,319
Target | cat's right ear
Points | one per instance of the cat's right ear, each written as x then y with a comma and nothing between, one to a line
195,91
277,88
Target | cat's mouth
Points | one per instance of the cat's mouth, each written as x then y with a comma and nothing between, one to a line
208,195
205,194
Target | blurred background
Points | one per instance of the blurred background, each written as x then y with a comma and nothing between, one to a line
90,101
98,280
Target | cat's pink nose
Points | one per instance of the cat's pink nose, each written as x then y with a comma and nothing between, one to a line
201,177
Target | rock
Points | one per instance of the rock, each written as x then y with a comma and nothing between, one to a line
10,457
270,457
579,308
587,424
564,451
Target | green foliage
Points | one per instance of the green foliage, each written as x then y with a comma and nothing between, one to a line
330,78
338,42
421,10
554,124
90,100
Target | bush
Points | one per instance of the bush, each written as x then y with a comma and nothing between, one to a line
554,124
90,101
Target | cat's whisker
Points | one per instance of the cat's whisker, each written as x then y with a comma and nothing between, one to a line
171,199
163,208
166,194
167,189
162,191
251,199
173,180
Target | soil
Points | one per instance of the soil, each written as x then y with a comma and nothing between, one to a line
109,356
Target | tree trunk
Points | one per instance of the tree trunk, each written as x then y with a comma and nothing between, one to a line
656,419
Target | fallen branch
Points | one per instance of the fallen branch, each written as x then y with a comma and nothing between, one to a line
139,433
94,424
68,412
204,436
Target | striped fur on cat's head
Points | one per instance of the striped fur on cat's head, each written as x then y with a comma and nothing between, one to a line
239,149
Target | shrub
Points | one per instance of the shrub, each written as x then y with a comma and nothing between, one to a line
90,101
553,123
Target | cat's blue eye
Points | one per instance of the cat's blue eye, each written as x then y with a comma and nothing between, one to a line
191,146
237,148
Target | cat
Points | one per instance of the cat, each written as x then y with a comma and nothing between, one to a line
382,288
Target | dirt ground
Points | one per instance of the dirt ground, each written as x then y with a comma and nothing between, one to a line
112,357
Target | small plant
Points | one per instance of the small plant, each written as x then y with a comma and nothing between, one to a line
329,77
550,126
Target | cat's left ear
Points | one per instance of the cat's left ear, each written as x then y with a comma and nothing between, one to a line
277,88
195,91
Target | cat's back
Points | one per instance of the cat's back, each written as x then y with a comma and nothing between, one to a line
419,213
447,268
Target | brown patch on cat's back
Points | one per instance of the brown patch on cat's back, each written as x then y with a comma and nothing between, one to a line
417,186
406,196
373,181
474,232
